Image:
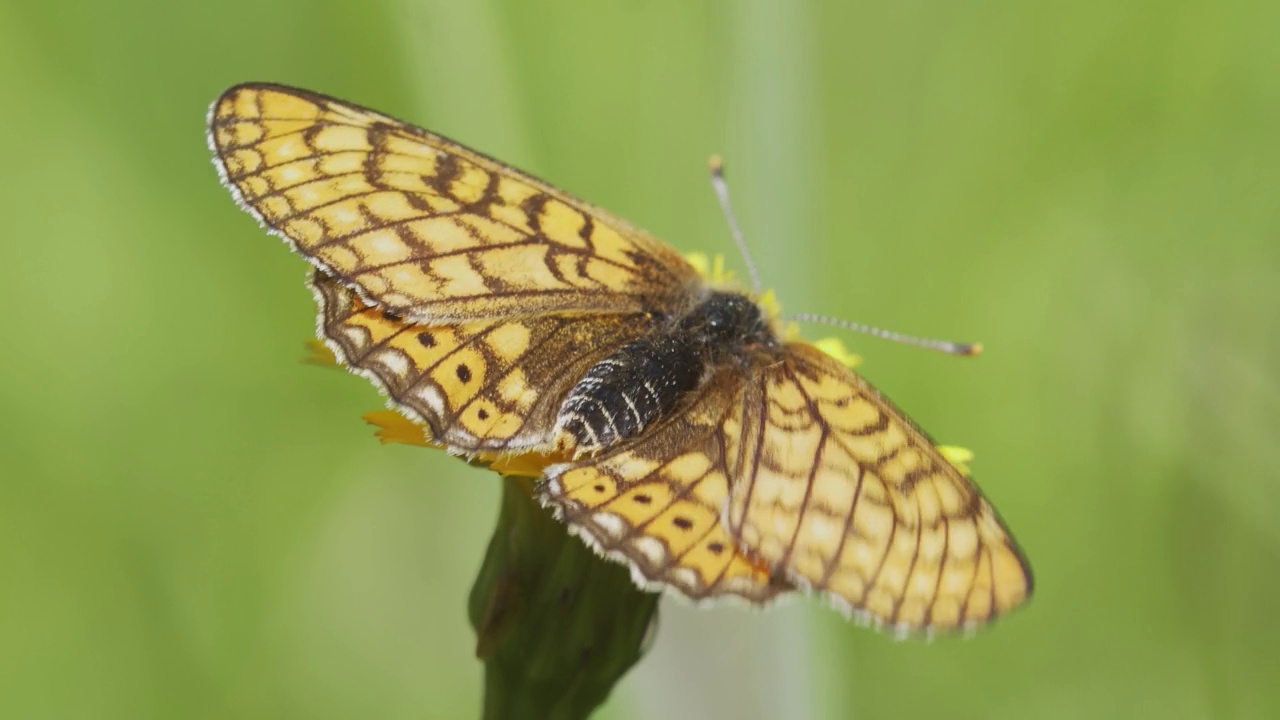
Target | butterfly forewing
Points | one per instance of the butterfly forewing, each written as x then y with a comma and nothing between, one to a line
835,488
425,227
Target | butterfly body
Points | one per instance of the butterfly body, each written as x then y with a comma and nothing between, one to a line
648,378
712,455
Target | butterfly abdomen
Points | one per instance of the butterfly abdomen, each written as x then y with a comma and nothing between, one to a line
646,379
622,394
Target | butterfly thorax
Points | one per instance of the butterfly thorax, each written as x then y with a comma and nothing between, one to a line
647,379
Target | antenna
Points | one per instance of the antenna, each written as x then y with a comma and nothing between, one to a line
946,346
722,194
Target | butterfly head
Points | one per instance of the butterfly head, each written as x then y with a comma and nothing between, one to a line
725,323
730,315
722,282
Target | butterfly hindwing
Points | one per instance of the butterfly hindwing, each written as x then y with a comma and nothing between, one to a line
656,503
425,227
484,385
838,490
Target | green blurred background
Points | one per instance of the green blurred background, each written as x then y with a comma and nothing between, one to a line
195,524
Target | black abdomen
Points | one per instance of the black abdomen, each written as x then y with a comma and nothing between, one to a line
626,391
643,381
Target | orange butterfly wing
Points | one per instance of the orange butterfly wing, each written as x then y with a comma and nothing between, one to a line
425,227
840,492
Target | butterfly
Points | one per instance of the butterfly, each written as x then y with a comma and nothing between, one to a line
697,441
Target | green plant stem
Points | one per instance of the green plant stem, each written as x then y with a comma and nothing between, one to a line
556,625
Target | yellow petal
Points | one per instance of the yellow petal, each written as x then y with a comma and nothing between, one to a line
958,456
319,354
396,428
837,350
